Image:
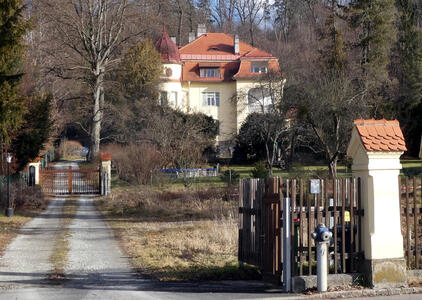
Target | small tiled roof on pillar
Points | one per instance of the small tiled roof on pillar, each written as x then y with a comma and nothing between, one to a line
381,135
167,48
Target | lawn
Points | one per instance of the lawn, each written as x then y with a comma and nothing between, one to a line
410,168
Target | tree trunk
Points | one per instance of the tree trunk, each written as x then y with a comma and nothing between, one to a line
97,116
333,167
270,166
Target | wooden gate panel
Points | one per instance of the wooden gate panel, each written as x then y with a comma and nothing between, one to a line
260,234
69,181
411,220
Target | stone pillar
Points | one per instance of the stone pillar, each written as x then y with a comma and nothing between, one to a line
105,170
376,147
37,166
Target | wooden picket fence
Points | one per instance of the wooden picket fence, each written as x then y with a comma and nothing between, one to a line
338,205
411,220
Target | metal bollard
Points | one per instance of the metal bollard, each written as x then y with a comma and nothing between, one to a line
322,236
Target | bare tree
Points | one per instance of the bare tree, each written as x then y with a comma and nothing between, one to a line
250,13
89,34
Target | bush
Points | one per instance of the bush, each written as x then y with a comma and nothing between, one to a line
69,148
260,171
27,198
134,163
232,178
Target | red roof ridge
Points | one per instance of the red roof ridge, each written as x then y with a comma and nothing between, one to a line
376,122
195,40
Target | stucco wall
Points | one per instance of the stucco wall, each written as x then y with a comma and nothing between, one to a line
242,89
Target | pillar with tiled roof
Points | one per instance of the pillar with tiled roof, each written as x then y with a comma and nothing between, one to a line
376,147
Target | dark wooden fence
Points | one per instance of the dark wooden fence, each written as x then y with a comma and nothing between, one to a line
338,205
411,220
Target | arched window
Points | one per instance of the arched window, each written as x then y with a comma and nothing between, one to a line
259,100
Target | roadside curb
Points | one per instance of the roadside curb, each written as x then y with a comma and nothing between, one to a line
355,293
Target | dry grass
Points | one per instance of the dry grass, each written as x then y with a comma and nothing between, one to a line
177,235
30,203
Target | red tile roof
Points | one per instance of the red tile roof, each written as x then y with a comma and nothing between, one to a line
217,50
381,135
105,156
245,69
215,44
191,71
167,48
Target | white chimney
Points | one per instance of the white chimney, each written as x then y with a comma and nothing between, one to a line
236,45
173,38
192,36
202,29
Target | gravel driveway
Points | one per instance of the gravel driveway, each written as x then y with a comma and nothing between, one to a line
96,267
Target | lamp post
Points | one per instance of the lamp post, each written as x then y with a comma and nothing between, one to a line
9,209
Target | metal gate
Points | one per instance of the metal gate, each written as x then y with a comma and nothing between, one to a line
70,181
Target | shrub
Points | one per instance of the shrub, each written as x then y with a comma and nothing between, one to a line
69,148
134,163
232,178
27,198
260,171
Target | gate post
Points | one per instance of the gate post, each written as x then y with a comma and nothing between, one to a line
36,164
376,147
286,245
105,169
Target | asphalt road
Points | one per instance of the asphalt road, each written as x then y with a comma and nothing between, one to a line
96,267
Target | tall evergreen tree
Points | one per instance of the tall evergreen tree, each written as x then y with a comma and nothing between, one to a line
12,30
410,54
374,21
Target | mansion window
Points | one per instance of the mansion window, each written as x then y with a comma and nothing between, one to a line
210,73
259,67
259,100
211,98
163,98
170,98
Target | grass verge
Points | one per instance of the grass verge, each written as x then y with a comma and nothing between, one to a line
61,246
184,235
30,203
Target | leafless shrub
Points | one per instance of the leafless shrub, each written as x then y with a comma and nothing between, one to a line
69,148
134,163
26,198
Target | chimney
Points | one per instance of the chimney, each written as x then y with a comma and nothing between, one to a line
192,36
202,29
236,45
173,38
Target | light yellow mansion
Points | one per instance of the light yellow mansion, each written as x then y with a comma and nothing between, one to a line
206,74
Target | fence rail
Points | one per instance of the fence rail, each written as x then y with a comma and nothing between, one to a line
18,182
338,205
411,220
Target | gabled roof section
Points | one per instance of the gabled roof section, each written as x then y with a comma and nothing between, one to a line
167,48
191,71
219,46
381,135
245,69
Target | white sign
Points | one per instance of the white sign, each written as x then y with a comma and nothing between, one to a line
315,186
